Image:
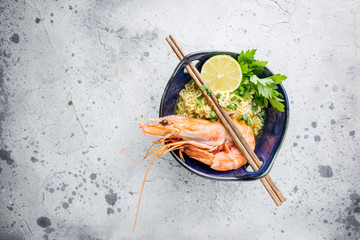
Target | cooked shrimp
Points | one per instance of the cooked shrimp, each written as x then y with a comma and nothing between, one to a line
227,156
200,139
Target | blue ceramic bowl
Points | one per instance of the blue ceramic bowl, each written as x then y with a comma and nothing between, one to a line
267,146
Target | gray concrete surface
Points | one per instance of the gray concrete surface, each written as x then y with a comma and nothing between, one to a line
61,174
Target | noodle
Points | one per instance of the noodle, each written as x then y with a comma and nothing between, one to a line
187,106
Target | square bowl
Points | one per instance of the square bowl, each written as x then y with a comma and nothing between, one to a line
267,145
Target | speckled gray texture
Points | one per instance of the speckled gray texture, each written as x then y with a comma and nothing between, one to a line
61,173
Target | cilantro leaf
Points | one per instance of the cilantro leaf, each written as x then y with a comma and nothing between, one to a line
264,81
247,57
278,78
259,63
266,91
258,67
258,70
265,88
245,69
276,103
266,103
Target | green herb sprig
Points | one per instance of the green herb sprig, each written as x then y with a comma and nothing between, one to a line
265,88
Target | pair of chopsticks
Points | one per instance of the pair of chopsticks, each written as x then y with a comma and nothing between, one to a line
229,125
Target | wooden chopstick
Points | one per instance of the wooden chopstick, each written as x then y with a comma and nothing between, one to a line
224,117
231,123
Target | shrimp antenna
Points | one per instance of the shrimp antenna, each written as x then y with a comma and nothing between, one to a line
155,156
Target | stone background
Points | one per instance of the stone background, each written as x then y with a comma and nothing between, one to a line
61,174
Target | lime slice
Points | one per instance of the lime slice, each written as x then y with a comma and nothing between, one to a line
222,72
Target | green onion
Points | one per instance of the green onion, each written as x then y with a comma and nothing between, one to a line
247,121
261,119
218,95
255,108
212,114
262,113
70,103
200,97
233,98
191,81
239,100
247,95
212,119
209,92
235,105
245,116
230,106
203,87
199,103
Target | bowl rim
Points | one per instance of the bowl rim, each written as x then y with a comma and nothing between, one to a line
253,176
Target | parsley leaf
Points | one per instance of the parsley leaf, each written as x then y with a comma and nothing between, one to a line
278,78
264,81
266,91
247,56
265,88
259,63
276,103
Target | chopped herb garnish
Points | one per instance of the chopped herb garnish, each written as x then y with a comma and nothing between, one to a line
244,117
212,119
212,114
247,95
233,98
200,97
209,92
218,95
70,103
255,108
199,103
203,87
230,106
235,105
239,100
191,81
262,113
248,122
